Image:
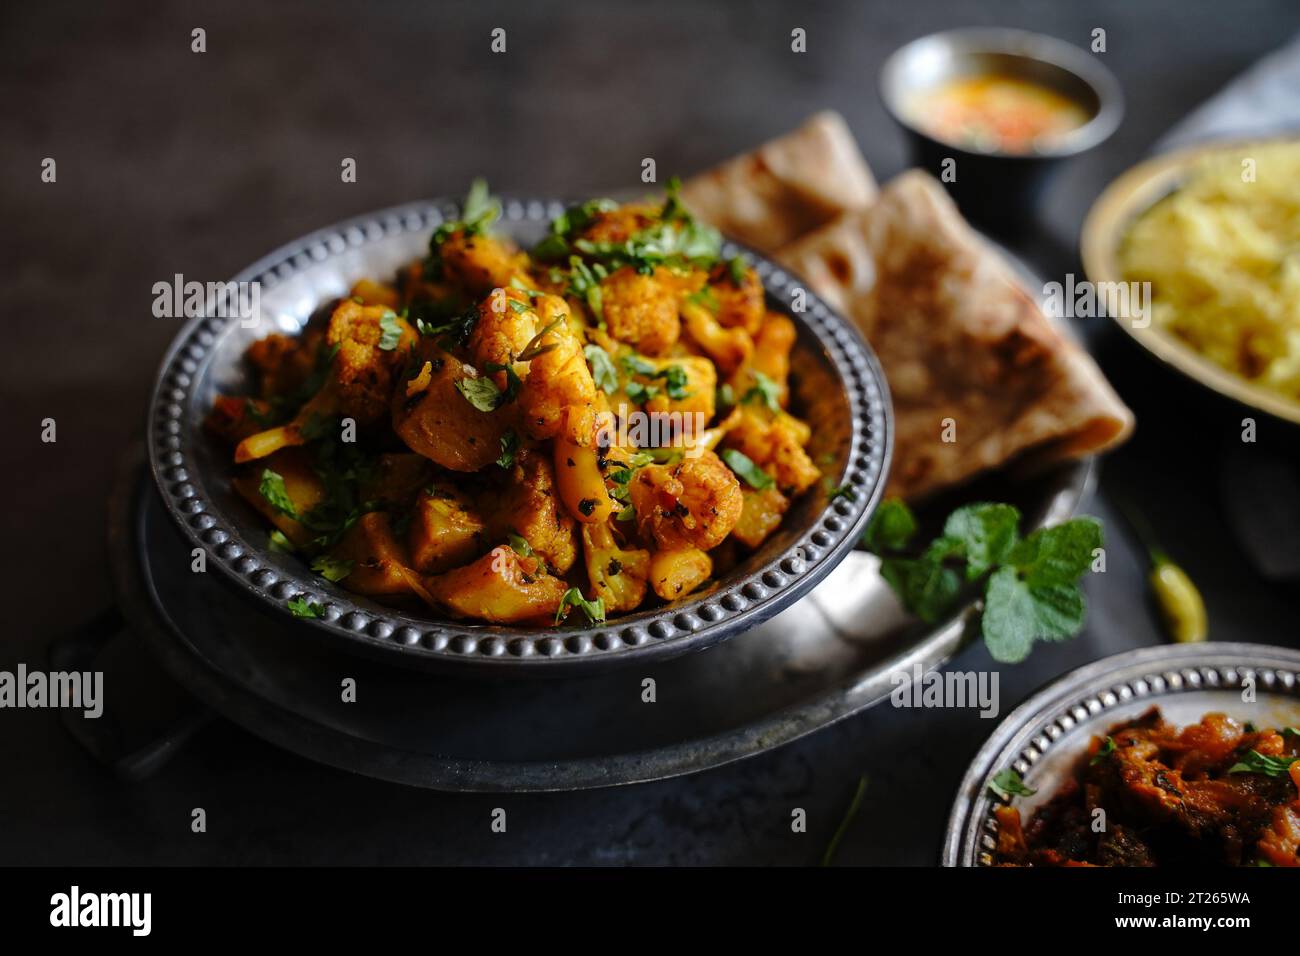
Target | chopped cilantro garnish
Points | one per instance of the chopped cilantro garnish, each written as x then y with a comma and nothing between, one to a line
390,331
744,466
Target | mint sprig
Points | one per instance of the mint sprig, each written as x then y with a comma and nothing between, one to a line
1030,584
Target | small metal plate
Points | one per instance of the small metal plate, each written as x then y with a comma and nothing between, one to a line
1043,737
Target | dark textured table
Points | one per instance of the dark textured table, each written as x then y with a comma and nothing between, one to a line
171,161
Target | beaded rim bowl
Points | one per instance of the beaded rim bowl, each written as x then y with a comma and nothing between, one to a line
1043,737
836,381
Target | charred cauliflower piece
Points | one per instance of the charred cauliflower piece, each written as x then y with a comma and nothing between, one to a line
694,503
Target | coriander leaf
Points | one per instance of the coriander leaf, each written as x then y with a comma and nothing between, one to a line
509,445
847,492
1018,612
639,394
278,542
301,608
737,268
482,392
602,369
926,588
513,382
765,391
634,364
480,208
891,527
1290,732
273,490
520,545
1008,783
390,331
535,347
744,466
986,533
626,514
675,381
1058,555
1104,751
1256,762
332,569
594,610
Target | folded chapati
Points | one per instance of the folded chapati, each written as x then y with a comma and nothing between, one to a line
979,376
785,188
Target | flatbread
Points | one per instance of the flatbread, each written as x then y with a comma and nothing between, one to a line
964,346
785,188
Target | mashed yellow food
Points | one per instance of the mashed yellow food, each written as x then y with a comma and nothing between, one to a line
1222,255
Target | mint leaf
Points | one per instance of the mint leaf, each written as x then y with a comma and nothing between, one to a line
1058,555
1018,612
744,466
891,527
926,588
985,533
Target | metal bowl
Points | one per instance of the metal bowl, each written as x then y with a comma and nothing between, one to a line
836,383
1043,737
1109,220
998,189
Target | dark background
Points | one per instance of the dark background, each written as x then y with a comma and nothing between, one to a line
170,161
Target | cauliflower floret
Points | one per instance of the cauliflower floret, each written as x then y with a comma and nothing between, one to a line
775,443
618,575
558,380
740,305
640,310
694,503
481,263
506,324
729,348
368,354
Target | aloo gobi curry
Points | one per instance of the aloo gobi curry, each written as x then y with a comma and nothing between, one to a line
520,437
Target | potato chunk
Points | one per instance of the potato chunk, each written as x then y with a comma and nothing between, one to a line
446,531
301,483
529,506
441,424
760,516
618,575
676,573
500,587
380,565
